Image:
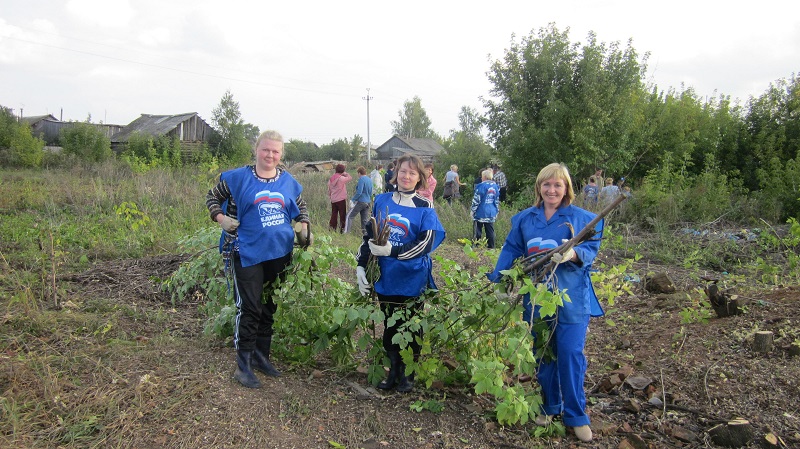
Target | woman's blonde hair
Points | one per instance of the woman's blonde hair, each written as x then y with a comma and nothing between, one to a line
558,171
415,163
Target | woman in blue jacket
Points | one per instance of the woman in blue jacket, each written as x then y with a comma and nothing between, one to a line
551,221
404,261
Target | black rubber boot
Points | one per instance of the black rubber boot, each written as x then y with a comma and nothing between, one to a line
243,372
261,357
391,380
404,383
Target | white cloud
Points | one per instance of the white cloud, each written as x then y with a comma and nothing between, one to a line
155,37
104,13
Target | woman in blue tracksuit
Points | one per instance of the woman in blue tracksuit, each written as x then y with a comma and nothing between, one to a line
539,228
404,261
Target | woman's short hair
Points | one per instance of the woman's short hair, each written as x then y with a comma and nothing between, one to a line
558,171
416,164
361,170
454,167
339,168
269,135
487,174
591,179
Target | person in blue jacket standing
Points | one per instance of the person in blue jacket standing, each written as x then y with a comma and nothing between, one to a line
550,222
404,261
255,206
360,201
485,206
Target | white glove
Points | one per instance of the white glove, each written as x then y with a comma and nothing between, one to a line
352,204
229,224
566,257
378,250
363,283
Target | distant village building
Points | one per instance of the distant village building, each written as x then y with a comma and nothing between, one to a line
48,128
314,167
396,146
189,128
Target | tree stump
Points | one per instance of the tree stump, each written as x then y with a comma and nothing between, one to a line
724,305
659,283
794,350
735,433
762,342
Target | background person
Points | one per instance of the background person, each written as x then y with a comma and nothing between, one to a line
609,192
254,205
404,261
537,229
377,179
501,180
337,193
387,178
485,206
431,181
452,184
360,201
590,192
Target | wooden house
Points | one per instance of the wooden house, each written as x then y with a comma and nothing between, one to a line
396,146
189,128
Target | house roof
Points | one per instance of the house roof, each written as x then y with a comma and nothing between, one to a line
424,146
37,118
154,125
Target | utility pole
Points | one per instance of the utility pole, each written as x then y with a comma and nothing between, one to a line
369,144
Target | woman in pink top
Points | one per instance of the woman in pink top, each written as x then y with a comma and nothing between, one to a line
337,192
428,192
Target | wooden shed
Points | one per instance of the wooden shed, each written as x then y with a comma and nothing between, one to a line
189,128
396,146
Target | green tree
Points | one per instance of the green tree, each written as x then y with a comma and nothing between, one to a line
357,143
297,150
466,147
555,101
231,140
18,147
338,149
86,142
414,121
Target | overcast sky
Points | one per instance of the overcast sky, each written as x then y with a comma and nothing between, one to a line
303,68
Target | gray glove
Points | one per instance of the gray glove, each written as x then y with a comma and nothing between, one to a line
229,224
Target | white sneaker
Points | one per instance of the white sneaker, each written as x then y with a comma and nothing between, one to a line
543,420
584,433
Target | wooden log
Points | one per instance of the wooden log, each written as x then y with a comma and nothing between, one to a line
762,342
772,441
735,433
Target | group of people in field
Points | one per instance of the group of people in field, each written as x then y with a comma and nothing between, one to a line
256,204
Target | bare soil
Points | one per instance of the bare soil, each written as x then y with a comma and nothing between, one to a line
182,395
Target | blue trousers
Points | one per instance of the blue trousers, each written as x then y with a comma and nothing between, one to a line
562,379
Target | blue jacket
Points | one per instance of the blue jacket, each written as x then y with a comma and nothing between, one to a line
363,192
532,233
485,202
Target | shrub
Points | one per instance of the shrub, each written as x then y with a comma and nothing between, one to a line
86,142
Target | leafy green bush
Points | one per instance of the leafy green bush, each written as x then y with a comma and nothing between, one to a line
18,148
86,142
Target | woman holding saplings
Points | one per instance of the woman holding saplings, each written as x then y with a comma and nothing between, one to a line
550,222
409,230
